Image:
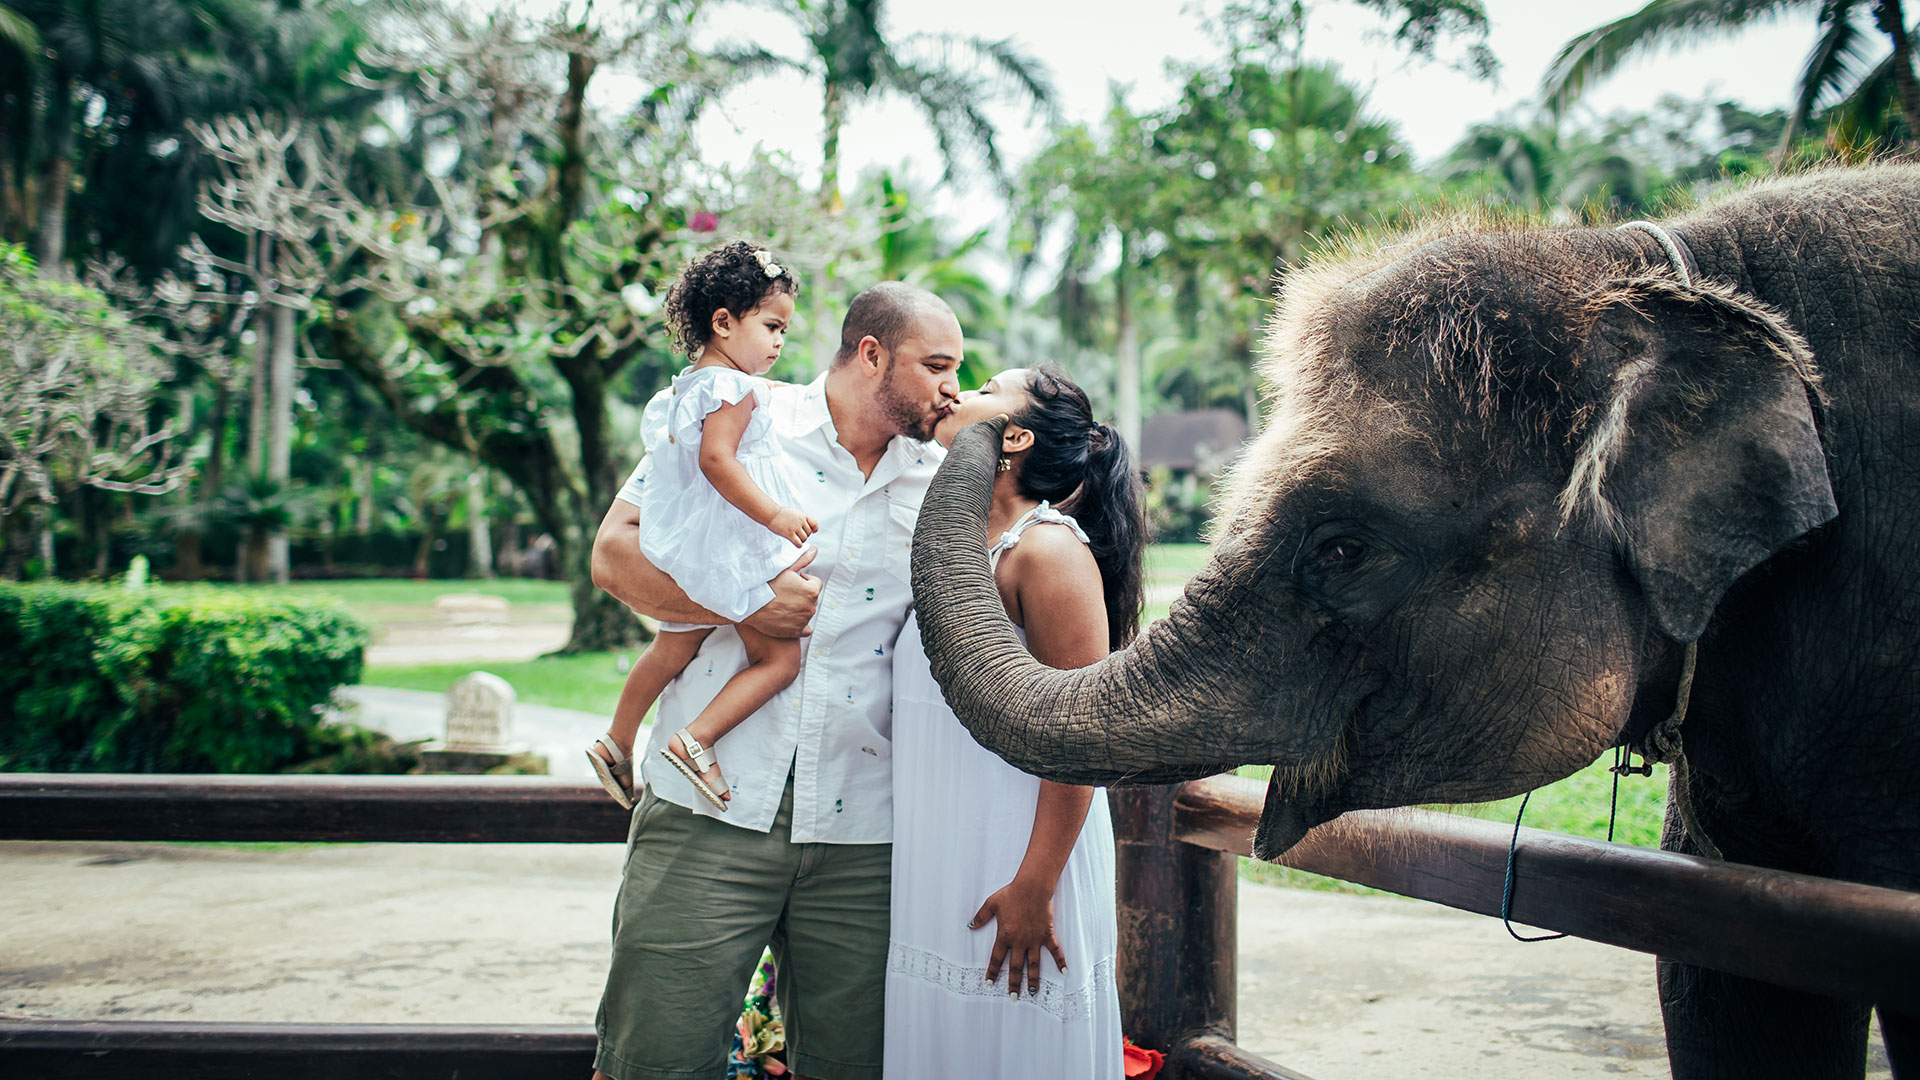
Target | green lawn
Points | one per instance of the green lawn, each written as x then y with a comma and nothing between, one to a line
589,682
1172,564
387,593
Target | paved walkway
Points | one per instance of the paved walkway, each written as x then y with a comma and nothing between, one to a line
560,734
1334,986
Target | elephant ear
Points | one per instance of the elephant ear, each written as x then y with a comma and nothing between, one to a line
1702,457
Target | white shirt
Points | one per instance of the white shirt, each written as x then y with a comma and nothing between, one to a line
834,726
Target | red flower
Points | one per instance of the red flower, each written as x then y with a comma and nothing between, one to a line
1144,1064
703,221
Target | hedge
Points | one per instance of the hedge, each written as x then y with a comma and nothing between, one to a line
174,678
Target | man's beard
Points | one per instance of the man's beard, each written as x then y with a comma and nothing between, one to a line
908,418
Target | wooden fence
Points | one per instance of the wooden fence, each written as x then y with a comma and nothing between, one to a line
1177,871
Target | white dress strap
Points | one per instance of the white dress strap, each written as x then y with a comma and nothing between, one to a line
1044,512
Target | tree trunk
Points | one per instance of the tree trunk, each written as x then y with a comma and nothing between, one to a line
363,506
56,177
833,115
48,568
479,540
423,554
253,557
257,388
93,515
1890,17
599,621
280,433
13,202
1127,379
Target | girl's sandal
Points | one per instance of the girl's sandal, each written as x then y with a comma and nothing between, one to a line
702,760
615,770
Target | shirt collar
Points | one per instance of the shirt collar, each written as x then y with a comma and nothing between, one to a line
812,411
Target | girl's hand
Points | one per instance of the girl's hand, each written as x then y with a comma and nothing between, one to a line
1023,913
793,525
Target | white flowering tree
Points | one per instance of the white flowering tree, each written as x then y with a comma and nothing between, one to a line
502,304
80,405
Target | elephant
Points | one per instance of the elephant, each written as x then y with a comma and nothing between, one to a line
1525,493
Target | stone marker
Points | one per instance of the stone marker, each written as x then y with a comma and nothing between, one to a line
479,727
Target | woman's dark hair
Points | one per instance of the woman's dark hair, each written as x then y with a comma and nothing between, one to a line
1083,468
732,277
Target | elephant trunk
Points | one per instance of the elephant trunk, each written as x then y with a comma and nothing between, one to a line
1190,698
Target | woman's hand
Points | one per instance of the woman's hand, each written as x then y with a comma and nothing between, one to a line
1022,912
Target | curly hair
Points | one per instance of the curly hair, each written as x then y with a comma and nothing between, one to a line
730,276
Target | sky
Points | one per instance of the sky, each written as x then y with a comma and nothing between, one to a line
1130,43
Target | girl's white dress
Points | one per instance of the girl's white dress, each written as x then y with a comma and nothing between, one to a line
961,821
719,556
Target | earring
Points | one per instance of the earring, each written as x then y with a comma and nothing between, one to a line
1006,464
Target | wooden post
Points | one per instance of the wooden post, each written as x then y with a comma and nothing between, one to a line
1178,936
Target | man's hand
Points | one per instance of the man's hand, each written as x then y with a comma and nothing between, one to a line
793,525
795,596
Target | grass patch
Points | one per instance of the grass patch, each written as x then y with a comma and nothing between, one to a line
1576,806
376,597
589,682
1173,564
406,592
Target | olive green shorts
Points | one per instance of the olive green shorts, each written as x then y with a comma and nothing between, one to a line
698,902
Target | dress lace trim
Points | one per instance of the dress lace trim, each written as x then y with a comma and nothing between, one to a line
1066,1005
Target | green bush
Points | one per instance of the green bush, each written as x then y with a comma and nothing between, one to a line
168,678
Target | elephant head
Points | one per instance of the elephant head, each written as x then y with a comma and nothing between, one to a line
1504,475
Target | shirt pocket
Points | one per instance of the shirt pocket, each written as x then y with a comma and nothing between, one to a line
899,540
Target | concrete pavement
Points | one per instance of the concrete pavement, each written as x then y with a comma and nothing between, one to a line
1334,986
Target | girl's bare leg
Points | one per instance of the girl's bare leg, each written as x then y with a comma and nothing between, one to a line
666,657
772,664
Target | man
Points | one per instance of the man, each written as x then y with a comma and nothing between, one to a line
802,856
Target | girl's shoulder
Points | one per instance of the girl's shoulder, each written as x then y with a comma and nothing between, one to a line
712,387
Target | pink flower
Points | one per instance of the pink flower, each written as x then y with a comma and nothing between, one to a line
703,221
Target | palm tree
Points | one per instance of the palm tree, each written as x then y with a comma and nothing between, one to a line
948,77
1535,169
1835,71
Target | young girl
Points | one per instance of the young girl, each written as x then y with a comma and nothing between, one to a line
717,513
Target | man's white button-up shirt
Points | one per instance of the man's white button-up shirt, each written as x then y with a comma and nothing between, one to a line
834,726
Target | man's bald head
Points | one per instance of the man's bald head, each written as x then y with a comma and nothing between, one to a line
887,312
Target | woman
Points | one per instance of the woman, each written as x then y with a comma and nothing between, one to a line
1002,945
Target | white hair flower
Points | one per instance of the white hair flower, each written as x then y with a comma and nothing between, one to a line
765,258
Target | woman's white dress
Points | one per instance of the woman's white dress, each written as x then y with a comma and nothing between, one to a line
719,556
961,821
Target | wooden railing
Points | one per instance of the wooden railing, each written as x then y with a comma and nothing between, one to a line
1177,872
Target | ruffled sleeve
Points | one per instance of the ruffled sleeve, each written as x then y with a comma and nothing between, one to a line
692,397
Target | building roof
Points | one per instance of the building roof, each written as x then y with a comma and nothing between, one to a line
1202,439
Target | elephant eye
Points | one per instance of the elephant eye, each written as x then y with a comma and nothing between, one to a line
1339,554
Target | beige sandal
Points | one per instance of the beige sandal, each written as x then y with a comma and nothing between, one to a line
615,770
702,759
